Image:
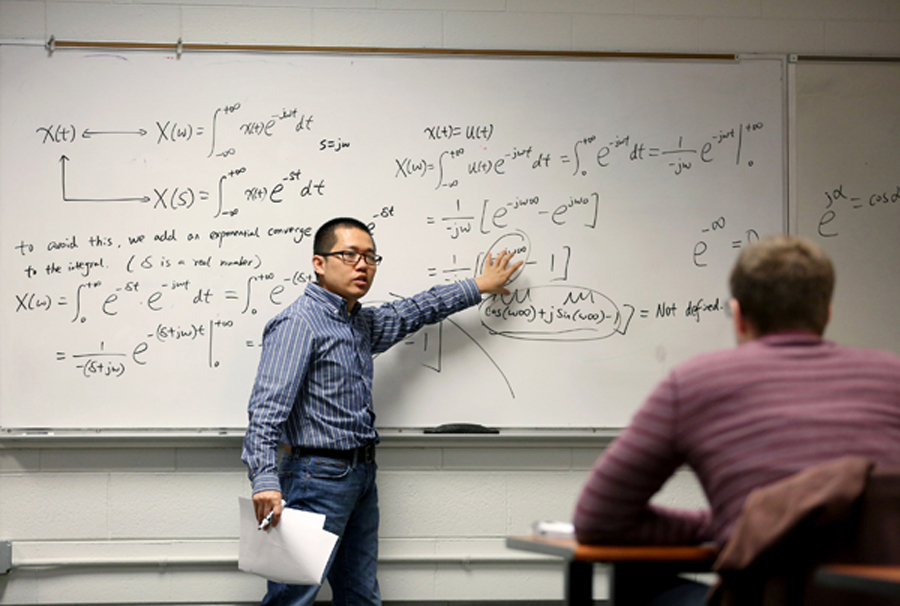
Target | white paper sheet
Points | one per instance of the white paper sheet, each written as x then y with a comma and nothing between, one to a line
296,551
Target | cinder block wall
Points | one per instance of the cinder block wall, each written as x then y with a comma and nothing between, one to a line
154,521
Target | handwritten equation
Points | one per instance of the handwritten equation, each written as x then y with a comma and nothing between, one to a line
202,281
145,247
840,203
452,166
242,184
198,299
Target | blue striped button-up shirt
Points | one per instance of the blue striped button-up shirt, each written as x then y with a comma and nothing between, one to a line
314,383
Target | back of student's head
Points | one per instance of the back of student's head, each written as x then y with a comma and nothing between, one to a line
783,283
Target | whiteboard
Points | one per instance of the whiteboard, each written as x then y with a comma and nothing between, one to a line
848,190
155,211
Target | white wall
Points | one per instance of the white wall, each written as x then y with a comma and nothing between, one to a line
446,505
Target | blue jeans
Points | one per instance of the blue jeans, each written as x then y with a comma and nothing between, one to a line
347,495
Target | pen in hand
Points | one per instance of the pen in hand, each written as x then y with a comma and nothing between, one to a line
267,521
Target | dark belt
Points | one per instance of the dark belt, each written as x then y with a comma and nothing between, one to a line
363,454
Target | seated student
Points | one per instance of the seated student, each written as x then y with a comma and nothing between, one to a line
783,400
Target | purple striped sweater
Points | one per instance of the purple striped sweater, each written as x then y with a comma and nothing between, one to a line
741,418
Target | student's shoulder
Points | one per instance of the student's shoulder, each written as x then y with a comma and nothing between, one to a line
868,356
302,311
717,363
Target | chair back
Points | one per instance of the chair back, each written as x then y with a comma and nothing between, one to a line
841,512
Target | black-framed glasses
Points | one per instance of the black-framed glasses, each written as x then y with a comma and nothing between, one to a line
351,257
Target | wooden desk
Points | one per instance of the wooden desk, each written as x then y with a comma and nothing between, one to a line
628,564
869,578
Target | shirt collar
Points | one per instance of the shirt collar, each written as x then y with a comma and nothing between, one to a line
791,337
334,303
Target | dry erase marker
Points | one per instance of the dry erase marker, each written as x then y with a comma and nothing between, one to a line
268,519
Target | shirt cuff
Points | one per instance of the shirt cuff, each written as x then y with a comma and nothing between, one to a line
470,291
266,481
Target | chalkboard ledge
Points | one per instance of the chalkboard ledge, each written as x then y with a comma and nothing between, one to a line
505,438
406,437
